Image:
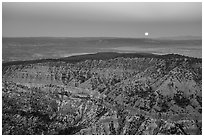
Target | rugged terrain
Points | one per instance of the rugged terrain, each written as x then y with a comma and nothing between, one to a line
103,93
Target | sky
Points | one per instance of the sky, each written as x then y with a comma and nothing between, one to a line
101,19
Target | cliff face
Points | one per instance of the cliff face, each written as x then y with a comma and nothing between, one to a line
123,95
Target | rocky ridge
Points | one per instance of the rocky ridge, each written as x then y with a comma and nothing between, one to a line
120,95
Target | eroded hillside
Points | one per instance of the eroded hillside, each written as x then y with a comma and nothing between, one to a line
120,95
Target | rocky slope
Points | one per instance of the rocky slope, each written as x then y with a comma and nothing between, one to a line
110,94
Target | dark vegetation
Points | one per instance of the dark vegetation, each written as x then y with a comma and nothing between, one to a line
103,93
100,56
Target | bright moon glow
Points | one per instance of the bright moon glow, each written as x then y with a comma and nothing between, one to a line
146,33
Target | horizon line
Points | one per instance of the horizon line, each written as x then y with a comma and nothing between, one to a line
147,37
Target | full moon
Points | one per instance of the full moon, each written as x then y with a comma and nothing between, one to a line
146,33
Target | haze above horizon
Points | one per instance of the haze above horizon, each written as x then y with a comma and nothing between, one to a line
101,19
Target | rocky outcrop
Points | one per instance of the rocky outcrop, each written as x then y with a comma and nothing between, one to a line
123,95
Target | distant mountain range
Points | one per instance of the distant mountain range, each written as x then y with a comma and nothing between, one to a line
181,38
184,37
29,48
